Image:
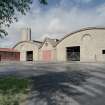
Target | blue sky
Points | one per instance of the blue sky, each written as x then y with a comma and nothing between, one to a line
57,19
83,4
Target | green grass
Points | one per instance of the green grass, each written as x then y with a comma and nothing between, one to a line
11,90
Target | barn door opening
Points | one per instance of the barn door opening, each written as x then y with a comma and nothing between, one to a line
0,57
29,55
73,53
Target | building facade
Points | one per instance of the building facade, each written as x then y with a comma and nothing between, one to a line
85,45
29,50
8,54
48,50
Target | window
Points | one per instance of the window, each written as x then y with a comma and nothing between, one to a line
103,51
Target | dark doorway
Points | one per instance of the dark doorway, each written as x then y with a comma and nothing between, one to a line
29,55
0,57
73,53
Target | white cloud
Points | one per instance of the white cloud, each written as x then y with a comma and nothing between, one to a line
101,10
55,22
56,25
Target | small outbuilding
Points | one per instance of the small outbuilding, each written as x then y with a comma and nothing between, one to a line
29,49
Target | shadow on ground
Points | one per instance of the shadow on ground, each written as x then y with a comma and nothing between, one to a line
53,88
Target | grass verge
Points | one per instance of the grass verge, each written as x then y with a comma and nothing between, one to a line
12,90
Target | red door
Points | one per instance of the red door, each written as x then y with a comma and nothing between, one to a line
47,55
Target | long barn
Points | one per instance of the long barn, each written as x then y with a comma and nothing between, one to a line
85,45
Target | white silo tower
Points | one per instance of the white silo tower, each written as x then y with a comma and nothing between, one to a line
26,34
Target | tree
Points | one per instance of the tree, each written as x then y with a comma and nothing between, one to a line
44,1
9,9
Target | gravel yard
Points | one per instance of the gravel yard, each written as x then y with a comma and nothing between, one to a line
61,84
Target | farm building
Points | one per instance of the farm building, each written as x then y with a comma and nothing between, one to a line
29,49
85,45
48,50
8,54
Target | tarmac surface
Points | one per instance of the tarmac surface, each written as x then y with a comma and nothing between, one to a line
61,83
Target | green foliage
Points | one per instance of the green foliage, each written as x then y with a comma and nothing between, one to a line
2,33
13,85
9,100
44,2
9,10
